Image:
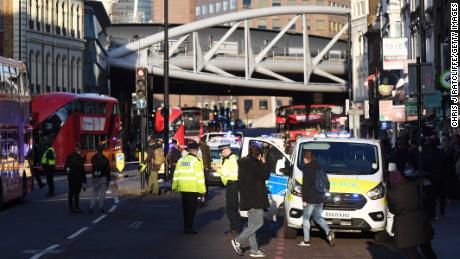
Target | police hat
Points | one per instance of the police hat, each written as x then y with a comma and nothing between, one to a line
192,145
223,146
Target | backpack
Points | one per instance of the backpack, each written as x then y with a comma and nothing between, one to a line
322,184
99,166
50,154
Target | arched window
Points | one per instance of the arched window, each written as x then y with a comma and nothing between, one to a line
65,74
71,21
72,76
49,73
79,77
57,21
58,74
78,21
63,19
32,71
38,72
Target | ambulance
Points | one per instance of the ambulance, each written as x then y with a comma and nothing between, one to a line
356,201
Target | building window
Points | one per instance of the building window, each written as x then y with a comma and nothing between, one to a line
279,103
218,7
331,26
276,25
276,3
262,24
263,105
204,9
225,4
232,4
197,10
291,2
320,25
211,8
247,105
247,3
262,3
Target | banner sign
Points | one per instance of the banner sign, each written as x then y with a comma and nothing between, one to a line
92,123
394,53
385,110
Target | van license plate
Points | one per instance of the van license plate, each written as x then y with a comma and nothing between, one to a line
336,215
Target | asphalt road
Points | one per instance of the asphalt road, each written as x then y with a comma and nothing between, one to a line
150,227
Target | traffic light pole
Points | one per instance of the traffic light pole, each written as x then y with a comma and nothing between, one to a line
143,173
166,80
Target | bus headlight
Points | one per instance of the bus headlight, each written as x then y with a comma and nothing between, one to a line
296,188
377,192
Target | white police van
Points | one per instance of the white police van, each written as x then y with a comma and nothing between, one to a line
356,201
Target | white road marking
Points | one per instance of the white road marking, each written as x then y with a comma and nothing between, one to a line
156,206
77,233
114,207
53,200
116,200
99,219
135,224
47,250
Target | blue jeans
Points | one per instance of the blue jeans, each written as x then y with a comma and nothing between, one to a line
255,221
314,210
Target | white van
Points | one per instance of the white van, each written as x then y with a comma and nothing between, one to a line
356,201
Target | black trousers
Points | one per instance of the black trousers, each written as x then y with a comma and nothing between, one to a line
49,173
74,195
231,197
37,176
189,204
427,251
439,188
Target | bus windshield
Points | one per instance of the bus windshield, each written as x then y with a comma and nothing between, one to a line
342,157
192,120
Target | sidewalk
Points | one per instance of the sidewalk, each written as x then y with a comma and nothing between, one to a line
130,184
446,243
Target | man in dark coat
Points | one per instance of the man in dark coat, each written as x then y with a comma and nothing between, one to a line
313,200
252,174
411,226
75,169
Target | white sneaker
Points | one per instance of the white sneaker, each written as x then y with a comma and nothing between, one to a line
237,247
257,253
304,243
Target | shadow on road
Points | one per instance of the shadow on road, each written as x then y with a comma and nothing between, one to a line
383,251
207,217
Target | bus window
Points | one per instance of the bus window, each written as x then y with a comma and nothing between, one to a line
14,81
116,109
6,79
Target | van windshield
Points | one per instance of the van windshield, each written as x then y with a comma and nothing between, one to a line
342,157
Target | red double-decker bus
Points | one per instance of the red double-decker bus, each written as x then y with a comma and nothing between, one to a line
195,120
176,124
64,119
309,120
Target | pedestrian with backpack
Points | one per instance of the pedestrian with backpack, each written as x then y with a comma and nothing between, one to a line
315,184
155,158
101,179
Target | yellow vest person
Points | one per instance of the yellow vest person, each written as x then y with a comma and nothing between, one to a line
48,162
229,175
189,180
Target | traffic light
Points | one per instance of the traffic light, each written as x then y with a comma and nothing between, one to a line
141,82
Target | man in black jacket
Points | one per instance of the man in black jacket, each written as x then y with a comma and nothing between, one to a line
101,179
74,167
252,174
313,200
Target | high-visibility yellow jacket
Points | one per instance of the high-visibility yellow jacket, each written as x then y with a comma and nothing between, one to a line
45,160
229,169
189,175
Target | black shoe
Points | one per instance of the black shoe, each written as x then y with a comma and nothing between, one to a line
190,231
79,211
101,211
331,238
41,185
71,211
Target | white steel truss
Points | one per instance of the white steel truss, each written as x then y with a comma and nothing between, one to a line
216,71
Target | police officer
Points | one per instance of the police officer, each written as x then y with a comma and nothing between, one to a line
189,180
229,176
48,162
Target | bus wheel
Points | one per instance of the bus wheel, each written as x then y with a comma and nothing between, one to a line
24,186
289,233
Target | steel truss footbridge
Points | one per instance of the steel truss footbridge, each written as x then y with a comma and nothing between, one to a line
250,63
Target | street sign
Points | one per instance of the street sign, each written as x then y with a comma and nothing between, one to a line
141,103
432,100
120,161
394,52
385,110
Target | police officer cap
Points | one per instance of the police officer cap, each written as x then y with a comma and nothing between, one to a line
223,146
192,145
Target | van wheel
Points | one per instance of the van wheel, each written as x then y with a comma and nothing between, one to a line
289,233
381,236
